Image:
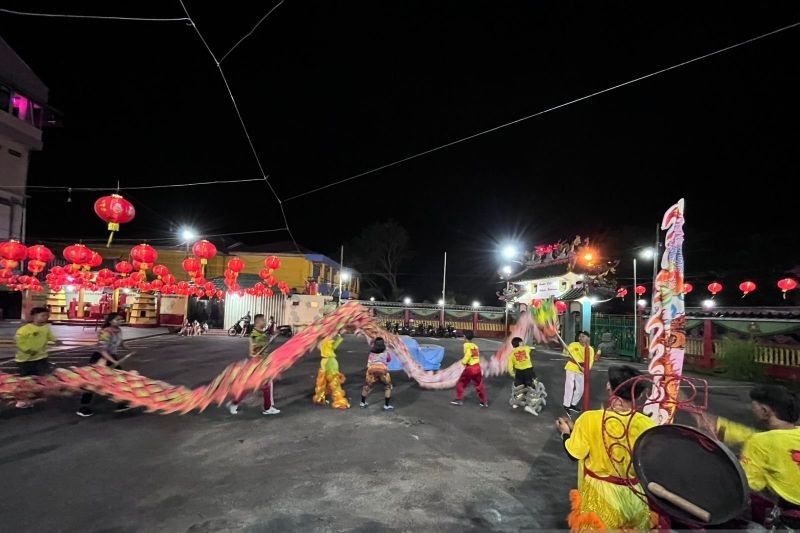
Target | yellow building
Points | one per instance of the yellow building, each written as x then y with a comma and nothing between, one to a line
297,269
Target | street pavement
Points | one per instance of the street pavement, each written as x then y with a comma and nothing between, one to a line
427,466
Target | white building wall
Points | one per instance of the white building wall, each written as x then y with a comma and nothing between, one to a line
238,306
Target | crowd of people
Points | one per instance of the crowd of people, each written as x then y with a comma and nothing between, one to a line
603,499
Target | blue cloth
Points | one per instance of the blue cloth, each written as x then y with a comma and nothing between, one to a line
429,356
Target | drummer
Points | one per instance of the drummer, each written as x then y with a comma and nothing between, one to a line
770,459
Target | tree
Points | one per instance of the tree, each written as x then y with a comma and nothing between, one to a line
377,253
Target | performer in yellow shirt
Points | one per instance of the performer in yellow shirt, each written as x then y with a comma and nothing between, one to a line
578,353
471,373
329,379
770,459
520,364
604,499
31,341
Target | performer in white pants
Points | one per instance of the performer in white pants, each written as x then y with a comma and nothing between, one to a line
577,352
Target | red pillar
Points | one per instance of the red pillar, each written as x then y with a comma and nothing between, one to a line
475,323
708,343
406,315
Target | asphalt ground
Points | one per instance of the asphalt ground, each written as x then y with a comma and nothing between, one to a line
426,466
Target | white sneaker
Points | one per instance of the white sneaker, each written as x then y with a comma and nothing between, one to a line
531,410
388,407
364,405
23,405
232,408
270,411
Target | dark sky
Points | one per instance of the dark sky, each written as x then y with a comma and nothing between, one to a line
330,89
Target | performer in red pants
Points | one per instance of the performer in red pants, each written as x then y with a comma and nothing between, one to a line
471,374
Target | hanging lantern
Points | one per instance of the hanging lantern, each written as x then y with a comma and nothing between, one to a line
264,273
269,293
220,294
786,285
204,250
229,273
13,250
714,288
272,262
236,264
9,264
95,260
160,271
145,254
209,287
77,254
144,286
640,290
561,307
200,281
747,287
687,288
191,265
35,266
115,210
156,284
168,279
124,268
137,277
40,253
622,292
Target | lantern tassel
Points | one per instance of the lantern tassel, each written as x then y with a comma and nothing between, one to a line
110,238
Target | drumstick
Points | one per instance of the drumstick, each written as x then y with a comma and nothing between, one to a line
678,501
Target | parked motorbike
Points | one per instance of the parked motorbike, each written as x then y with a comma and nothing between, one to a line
242,326
285,331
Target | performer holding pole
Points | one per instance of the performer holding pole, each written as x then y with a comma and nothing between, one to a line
581,359
109,341
259,342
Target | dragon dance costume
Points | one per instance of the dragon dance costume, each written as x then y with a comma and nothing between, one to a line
329,379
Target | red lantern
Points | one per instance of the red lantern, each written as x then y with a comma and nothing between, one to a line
9,264
137,277
268,293
145,254
199,293
714,288
561,307
191,265
40,253
95,260
231,273
233,287
786,285
144,286
236,264
747,287
160,271
156,284
168,279
35,266
272,262
13,250
622,292
687,288
124,268
209,287
264,273
640,290
220,294
204,250
115,210
77,254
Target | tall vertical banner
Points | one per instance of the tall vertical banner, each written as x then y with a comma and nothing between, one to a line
667,324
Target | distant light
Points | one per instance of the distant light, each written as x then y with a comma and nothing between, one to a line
371,298
70,288
476,303
188,234
593,299
345,276
506,270
126,291
647,253
407,300
510,252
588,257
440,302
708,304
642,302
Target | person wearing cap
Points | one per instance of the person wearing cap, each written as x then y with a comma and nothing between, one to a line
579,353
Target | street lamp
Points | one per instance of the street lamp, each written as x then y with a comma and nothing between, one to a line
440,302
510,252
407,300
642,302
507,270
476,304
343,276
708,304
188,235
371,298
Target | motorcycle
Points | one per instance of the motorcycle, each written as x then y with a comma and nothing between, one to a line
241,327
285,331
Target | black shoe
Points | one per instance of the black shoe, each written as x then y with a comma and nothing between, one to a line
84,412
575,408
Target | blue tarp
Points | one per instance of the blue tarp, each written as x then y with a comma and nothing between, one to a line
429,356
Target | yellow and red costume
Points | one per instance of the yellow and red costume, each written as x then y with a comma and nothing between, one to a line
329,379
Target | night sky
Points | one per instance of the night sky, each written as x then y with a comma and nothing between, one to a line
330,89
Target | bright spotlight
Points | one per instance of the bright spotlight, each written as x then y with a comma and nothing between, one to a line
407,300
476,303
510,252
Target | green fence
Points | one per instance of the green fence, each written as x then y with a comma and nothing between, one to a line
614,333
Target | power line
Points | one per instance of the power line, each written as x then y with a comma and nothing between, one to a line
539,113
135,187
264,175
251,31
152,239
93,17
